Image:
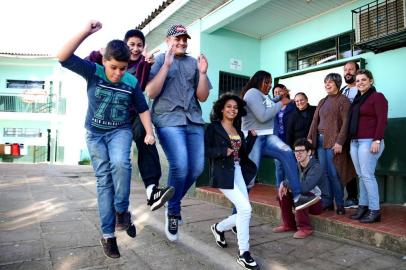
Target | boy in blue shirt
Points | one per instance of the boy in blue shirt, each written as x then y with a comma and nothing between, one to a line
148,158
111,93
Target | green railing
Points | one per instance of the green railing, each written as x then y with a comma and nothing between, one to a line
15,103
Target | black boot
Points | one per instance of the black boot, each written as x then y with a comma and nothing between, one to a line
371,217
361,211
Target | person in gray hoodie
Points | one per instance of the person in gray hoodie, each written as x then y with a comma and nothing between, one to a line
311,176
261,112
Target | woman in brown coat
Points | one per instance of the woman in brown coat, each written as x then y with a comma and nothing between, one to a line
328,132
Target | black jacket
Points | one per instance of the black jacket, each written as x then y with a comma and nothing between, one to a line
221,166
298,124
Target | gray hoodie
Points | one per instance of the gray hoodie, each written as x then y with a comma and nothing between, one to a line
261,111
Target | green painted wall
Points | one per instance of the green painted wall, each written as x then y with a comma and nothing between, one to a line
387,67
219,47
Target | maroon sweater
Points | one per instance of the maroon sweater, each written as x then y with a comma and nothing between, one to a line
373,117
139,68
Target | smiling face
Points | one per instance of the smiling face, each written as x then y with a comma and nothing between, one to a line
136,47
331,87
301,154
180,44
230,109
114,69
363,83
301,102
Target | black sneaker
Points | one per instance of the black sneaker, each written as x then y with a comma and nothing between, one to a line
160,196
234,229
171,227
180,220
218,236
246,261
123,221
110,248
305,201
351,203
132,231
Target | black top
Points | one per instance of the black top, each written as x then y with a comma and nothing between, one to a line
298,124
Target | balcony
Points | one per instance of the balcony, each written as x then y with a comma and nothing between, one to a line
32,104
380,25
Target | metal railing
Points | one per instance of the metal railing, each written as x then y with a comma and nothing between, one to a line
19,103
378,19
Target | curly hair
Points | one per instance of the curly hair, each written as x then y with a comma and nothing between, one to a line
217,115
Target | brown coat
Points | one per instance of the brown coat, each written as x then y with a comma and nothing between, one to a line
335,132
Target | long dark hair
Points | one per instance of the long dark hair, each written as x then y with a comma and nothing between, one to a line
256,81
217,115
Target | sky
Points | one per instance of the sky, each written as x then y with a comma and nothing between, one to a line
43,26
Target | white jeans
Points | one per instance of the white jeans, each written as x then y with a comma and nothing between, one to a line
239,197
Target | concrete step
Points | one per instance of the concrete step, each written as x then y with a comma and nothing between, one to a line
388,234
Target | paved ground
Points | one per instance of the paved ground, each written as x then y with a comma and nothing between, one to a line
48,220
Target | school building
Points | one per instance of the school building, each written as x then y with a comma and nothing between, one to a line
299,42
36,95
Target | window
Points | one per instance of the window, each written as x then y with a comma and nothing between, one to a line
230,82
327,50
22,132
22,84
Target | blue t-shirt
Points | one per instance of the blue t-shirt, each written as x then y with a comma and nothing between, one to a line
110,104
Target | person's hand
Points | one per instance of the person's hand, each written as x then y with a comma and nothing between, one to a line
375,147
149,56
93,26
170,54
337,148
149,139
229,151
253,132
282,191
202,64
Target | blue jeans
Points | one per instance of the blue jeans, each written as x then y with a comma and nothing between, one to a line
272,146
110,154
335,188
184,149
365,164
279,172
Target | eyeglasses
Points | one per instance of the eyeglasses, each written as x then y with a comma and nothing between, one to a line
300,151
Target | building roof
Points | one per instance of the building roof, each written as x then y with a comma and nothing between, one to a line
173,12
154,13
24,55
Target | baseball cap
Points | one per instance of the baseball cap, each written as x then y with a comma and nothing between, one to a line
177,30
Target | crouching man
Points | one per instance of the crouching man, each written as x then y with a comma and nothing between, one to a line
310,177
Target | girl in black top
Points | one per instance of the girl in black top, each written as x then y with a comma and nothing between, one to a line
230,170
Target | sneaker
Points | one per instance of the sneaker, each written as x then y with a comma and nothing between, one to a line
171,227
110,248
218,236
123,221
305,201
351,203
282,228
180,220
234,230
246,261
131,231
300,234
160,196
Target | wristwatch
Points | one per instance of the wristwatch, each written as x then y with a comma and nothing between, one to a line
378,141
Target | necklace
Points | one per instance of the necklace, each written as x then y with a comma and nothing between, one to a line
230,130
